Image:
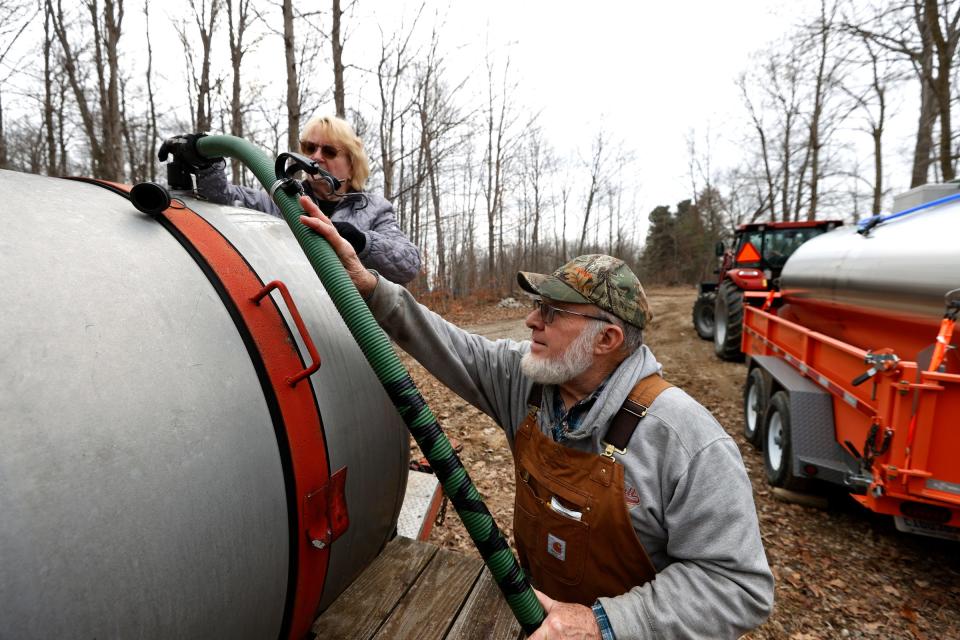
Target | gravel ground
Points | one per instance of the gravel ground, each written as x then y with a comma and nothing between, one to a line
842,572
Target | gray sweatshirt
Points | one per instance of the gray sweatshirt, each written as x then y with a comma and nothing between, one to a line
695,515
387,248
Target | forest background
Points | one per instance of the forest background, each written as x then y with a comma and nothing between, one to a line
847,103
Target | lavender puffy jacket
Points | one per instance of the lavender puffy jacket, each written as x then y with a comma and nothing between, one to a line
388,250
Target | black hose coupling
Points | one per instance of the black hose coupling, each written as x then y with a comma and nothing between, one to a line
150,197
288,164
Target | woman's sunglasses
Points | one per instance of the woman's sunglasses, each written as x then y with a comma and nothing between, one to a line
328,151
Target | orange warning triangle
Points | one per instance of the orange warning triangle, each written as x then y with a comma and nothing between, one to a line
748,253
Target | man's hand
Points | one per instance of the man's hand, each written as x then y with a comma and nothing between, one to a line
365,281
566,621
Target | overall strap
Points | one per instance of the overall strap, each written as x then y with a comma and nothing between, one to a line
633,409
535,397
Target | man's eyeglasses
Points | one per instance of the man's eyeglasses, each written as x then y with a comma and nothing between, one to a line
549,313
328,151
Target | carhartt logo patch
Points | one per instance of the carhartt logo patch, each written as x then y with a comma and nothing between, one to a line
630,496
556,547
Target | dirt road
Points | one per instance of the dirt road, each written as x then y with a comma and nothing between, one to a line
841,572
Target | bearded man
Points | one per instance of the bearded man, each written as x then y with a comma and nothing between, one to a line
634,516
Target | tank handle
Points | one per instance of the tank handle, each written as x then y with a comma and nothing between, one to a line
304,334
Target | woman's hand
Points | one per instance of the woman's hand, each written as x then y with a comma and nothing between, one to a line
365,281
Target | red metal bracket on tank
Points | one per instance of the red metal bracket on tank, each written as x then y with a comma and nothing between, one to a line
325,511
297,320
297,405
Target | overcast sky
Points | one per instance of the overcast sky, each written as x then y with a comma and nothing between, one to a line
647,72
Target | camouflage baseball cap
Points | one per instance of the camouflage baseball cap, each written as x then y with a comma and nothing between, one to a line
604,281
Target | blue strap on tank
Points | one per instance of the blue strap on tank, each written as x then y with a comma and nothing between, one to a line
867,225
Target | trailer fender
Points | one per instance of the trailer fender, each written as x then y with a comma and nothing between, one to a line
815,450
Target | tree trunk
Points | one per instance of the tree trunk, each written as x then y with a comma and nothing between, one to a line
923,63
337,45
206,29
945,46
150,147
877,171
596,173
106,38
61,136
86,115
293,90
51,140
236,31
924,143
129,135
818,100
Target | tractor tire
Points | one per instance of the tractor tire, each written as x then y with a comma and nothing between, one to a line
703,314
728,322
777,449
756,396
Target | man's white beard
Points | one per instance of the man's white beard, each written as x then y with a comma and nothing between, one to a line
577,358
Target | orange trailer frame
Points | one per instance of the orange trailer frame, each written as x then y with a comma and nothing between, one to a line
873,421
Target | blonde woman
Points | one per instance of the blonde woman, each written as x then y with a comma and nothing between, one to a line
364,219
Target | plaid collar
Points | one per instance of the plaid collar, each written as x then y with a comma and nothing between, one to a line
565,422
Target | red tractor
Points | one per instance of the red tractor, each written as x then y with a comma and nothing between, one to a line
759,252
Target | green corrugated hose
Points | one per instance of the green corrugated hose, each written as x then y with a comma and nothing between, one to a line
398,384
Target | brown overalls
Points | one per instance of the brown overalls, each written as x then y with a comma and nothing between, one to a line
571,524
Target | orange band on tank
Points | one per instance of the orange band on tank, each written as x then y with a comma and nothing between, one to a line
297,404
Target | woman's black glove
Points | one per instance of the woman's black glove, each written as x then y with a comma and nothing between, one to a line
183,148
351,234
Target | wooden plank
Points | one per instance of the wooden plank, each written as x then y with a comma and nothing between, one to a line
486,615
428,609
360,610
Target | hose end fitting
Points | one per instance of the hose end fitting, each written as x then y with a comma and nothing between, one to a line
150,197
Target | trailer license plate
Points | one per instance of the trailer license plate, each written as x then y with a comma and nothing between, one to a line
924,528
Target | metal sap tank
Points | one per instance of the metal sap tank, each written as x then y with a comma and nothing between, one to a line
883,289
142,486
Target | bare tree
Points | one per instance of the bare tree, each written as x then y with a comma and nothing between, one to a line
205,18
336,44
871,102
150,147
565,190
942,23
427,95
293,88
597,167
238,22
103,133
14,20
825,79
395,58
48,93
439,120
498,120
760,127
926,33
538,163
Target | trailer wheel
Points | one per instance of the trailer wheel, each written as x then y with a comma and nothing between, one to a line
728,319
777,452
703,314
756,395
